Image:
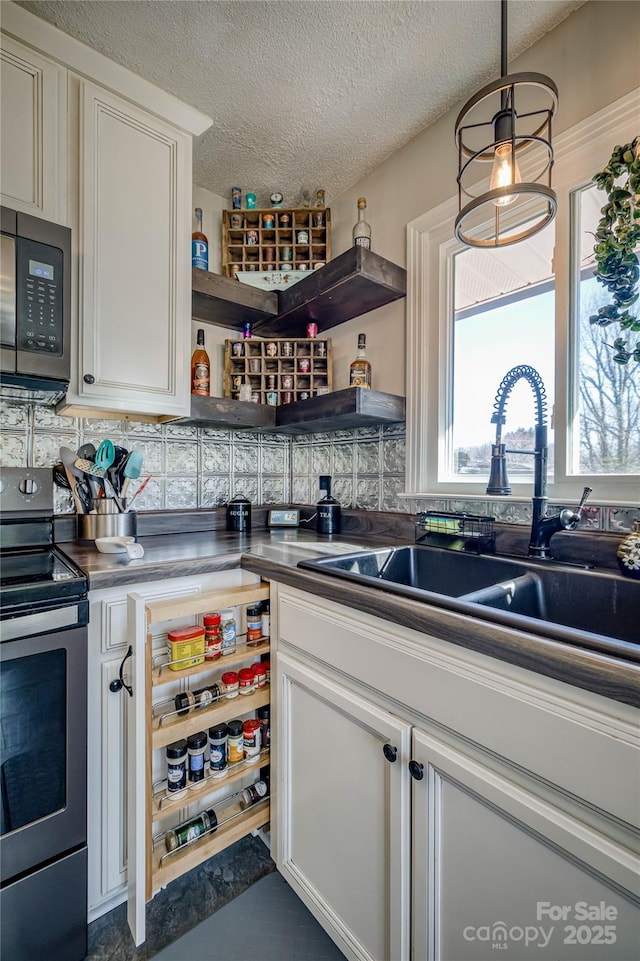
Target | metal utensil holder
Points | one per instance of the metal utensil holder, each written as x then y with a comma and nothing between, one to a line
473,533
91,526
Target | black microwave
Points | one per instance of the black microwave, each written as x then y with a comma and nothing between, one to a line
35,308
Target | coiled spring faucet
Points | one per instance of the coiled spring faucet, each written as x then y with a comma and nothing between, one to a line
543,525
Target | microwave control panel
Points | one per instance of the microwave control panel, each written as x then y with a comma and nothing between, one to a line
39,297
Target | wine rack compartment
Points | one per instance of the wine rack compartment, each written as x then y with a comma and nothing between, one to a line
278,371
275,239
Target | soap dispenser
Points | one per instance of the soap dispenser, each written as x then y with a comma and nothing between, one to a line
328,509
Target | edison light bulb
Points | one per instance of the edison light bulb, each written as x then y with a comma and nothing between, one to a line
502,174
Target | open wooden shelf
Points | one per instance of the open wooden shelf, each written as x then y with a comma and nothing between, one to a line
183,859
339,410
164,803
162,674
228,303
200,719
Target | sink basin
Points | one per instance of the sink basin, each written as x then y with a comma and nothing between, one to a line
588,608
405,570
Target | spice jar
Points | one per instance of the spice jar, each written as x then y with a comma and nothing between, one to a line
212,636
260,674
228,630
230,680
266,617
191,829
251,737
196,745
218,735
267,667
246,680
254,623
186,701
186,647
254,793
177,765
264,716
235,741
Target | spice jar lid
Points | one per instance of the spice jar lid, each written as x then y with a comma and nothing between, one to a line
218,730
229,677
185,633
254,609
264,712
197,740
226,613
258,668
234,727
178,749
245,674
184,701
210,620
251,725
213,818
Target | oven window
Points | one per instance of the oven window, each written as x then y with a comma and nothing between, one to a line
33,737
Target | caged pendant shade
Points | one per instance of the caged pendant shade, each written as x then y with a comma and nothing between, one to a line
506,124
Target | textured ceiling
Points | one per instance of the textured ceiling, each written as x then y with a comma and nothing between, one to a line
305,93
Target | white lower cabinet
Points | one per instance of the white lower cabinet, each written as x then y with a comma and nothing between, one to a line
452,849
108,714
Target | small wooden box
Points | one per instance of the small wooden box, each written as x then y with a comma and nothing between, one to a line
268,238
280,370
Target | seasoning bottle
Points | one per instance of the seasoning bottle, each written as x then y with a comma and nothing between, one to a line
251,736
231,683
218,735
196,744
260,674
191,829
266,617
264,716
187,701
177,765
235,741
254,793
212,636
254,623
228,631
246,680
200,368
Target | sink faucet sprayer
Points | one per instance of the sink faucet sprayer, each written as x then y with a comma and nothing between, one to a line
543,526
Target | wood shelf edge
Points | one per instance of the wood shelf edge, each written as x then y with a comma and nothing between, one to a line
212,786
200,720
164,675
226,835
167,610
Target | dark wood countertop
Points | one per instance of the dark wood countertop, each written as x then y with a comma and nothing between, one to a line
275,555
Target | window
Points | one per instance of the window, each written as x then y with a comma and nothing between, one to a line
474,314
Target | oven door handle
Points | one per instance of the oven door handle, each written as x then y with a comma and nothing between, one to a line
119,682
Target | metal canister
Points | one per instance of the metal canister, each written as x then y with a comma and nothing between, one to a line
239,515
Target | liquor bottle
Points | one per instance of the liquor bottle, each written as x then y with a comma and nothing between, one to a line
360,369
199,244
200,368
362,230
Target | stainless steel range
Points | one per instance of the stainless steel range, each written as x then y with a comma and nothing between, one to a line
43,730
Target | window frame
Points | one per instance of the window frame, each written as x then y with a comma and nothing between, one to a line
579,152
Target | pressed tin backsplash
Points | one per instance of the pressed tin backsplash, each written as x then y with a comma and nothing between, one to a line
197,467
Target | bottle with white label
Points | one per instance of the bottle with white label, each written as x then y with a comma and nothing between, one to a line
199,243
362,230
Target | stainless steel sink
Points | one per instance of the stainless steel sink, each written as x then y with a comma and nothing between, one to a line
588,608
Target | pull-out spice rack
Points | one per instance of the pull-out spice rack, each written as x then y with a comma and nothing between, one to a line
280,370
151,866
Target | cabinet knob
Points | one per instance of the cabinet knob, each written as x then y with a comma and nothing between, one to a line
390,752
89,379
416,770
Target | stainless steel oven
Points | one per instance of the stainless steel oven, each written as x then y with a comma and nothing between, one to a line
35,298
43,730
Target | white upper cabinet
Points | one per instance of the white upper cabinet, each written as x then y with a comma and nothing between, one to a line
89,144
33,131
134,228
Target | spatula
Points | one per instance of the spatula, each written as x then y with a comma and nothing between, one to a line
132,469
75,477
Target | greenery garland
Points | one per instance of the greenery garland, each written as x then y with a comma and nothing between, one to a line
617,237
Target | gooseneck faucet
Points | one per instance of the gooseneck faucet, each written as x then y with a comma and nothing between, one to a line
543,525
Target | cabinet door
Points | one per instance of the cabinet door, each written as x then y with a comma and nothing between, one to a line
343,811
33,132
498,866
134,239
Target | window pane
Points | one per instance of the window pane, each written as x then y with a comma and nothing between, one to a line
504,317
607,434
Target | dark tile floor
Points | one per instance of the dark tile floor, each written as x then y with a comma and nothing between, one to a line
268,922
183,904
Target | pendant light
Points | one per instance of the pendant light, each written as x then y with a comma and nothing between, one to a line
506,124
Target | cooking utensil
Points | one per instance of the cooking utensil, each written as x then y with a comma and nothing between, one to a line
139,490
117,545
115,472
77,485
87,451
105,455
132,469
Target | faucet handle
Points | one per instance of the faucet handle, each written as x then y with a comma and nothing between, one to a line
583,500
